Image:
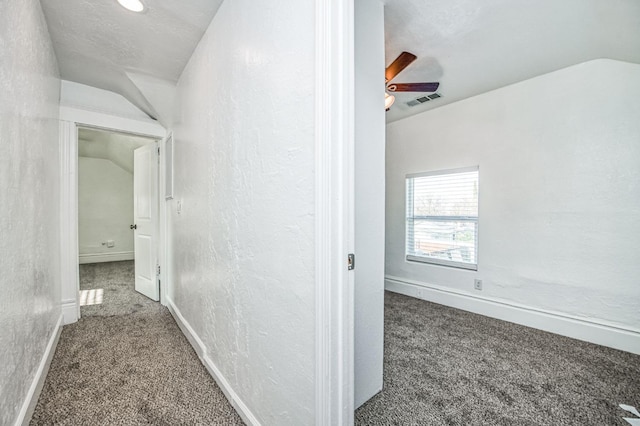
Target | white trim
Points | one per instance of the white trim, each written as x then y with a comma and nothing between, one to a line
235,400
105,257
70,311
589,330
168,151
69,216
29,404
164,210
334,142
70,119
441,262
111,122
189,333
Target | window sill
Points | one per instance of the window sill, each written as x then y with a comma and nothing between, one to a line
442,262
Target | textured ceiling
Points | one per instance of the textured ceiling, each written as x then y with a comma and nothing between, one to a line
472,47
98,43
116,147
469,46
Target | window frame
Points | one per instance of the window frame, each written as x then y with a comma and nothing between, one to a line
409,221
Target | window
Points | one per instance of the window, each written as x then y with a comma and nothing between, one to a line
442,218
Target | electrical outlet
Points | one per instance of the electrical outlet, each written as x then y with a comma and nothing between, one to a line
477,284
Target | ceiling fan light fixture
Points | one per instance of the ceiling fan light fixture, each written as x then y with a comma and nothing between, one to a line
388,100
132,5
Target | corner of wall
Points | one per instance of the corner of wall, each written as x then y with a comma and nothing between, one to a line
624,339
200,349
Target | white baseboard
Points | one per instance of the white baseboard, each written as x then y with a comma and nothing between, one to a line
69,311
201,350
594,331
115,256
29,404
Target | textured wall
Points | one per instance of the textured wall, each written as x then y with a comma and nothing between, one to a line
105,206
243,244
559,190
90,98
29,191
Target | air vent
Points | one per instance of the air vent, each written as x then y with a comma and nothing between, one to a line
424,99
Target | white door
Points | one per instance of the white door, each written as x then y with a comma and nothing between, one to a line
369,196
145,216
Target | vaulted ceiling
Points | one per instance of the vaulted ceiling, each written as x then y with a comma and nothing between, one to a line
469,46
472,47
101,44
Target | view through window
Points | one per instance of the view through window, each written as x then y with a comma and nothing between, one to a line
442,217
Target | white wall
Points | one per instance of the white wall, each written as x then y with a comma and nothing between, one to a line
559,159
369,198
105,210
243,243
29,191
76,95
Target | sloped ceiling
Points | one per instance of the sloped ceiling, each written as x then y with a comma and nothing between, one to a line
101,44
116,147
469,46
472,47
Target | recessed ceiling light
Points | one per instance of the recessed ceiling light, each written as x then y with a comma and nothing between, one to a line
132,5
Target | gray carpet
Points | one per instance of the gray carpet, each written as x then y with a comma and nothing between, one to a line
115,279
127,365
449,367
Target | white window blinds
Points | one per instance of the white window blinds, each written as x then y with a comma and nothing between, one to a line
442,217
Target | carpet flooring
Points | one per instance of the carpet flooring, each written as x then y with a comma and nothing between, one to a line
126,362
115,280
444,366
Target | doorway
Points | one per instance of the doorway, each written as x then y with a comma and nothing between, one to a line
72,120
117,221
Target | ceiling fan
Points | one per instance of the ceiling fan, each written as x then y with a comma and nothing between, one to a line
396,68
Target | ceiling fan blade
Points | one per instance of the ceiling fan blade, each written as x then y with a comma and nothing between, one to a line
398,65
413,87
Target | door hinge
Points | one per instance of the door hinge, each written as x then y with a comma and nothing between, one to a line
158,269
351,261
158,150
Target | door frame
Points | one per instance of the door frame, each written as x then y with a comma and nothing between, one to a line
335,211
70,120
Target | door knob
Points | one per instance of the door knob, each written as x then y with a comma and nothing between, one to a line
133,226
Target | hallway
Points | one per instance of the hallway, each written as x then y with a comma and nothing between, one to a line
126,362
264,115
